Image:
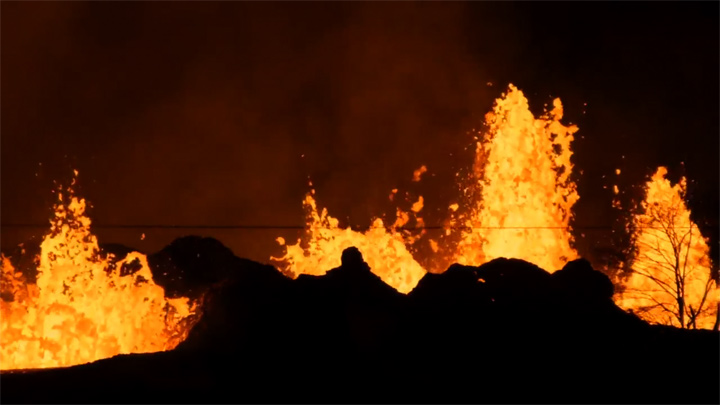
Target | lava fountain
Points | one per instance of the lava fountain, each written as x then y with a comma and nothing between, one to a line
518,204
81,309
519,197
383,248
670,280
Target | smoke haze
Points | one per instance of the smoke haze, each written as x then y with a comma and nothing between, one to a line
219,113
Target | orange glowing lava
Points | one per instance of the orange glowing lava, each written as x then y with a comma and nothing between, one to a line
518,205
670,277
520,197
384,249
81,309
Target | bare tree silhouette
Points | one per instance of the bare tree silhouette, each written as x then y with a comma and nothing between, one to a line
672,280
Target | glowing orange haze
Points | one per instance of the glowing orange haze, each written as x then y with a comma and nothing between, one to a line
521,180
80,309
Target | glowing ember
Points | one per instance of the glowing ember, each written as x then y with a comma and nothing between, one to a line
81,309
519,201
670,281
383,249
417,174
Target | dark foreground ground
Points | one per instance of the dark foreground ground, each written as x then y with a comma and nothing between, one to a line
519,335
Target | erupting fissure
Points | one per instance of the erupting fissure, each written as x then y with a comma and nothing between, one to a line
518,204
81,309
670,277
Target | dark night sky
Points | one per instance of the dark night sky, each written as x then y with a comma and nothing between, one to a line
198,113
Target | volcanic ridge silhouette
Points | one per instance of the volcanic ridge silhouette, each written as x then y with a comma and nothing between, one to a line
504,332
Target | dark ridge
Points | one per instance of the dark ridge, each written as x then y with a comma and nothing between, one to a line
503,332
191,264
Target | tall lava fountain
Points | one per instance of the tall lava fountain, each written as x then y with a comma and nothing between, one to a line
518,205
519,200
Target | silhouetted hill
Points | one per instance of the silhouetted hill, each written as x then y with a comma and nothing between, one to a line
191,264
503,332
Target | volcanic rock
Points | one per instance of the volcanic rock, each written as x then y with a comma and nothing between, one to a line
190,265
504,332
251,304
578,280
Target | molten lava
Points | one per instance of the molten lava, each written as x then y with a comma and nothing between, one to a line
518,205
520,197
671,274
81,309
383,249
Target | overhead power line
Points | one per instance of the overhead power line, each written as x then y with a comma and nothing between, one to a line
300,227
